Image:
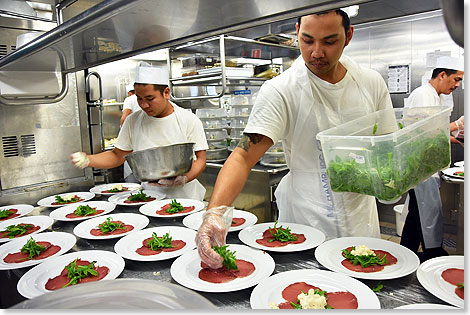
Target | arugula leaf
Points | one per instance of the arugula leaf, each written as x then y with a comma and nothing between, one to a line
140,196
59,199
84,210
5,213
228,256
282,234
378,287
365,260
375,129
296,306
76,273
32,248
157,243
174,207
460,285
19,229
400,125
108,226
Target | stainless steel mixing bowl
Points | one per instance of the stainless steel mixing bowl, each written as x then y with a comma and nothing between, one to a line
161,162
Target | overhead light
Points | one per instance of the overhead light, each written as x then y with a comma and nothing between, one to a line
351,10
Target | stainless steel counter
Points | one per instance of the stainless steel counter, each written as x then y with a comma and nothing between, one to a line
397,292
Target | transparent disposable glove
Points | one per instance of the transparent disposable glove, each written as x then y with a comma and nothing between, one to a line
170,182
460,127
213,231
80,159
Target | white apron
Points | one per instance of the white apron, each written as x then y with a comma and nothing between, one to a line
304,195
191,190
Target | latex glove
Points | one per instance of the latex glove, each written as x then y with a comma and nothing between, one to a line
170,182
80,159
460,127
212,232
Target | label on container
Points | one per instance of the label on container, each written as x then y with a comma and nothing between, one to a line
358,158
242,92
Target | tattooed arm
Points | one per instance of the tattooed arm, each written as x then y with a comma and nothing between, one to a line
233,175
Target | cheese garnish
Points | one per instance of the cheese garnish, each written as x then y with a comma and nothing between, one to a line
362,250
312,300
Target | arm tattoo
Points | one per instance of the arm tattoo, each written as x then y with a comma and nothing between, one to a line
247,139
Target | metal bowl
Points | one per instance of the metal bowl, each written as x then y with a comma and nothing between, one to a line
161,162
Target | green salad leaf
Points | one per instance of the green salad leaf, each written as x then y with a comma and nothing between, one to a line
228,256
282,234
76,273
32,248
140,196
365,260
174,207
84,210
460,285
108,226
157,243
379,287
19,229
386,175
5,213
375,129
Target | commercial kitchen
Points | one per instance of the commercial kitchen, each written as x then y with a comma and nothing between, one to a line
66,67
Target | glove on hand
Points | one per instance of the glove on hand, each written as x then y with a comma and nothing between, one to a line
80,159
212,232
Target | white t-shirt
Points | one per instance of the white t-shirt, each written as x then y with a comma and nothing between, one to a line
131,103
426,95
140,131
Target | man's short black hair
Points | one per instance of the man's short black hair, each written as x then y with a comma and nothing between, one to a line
156,87
436,72
344,15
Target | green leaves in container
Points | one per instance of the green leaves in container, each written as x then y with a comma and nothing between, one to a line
140,196
84,210
157,243
108,226
174,207
19,229
282,234
5,213
76,272
32,248
365,260
228,256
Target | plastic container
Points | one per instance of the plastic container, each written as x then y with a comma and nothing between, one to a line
215,135
240,111
214,123
239,122
233,144
399,223
273,159
217,155
217,144
211,113
386,165
276,147
236,132
240,99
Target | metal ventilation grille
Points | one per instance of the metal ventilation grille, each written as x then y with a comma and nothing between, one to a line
13,47
28,145
10,146
3,50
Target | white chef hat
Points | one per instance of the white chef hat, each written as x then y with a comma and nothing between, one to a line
129,87
452,63
148,74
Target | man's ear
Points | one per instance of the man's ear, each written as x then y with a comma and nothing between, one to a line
349,35
166,93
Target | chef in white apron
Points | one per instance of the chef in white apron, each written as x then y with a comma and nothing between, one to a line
159,123
322,89
424,224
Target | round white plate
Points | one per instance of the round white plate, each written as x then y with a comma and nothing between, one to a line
23,210
329,254
450,172
429,275
270,289
424,306
121,197
33,282
39,220
185,270
272,164
459,163
65,240
47,202
98,189
137,220
60,213
127,245
193,221
150,209
313,237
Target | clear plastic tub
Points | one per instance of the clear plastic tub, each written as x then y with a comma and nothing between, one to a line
236,132
217,155
276,147
214,135
273,159
238,122
241,100
216,123
240,111
233,143
217,144
361,157
211,113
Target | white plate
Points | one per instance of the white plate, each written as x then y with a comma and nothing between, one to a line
270,289
429,275
121,197
272,164
193,221
127,245
150,209
33,282
98,189
60,213
313,237
424,306
65,240
450,172
39,220
459,163
137,220
47,202
329,254
185,270
23,210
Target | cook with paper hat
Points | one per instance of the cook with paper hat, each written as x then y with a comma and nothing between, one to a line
159,123
130,106
424,221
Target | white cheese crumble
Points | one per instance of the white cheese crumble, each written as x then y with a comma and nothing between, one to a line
273,306
117,186
312,300
362,250
68,197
